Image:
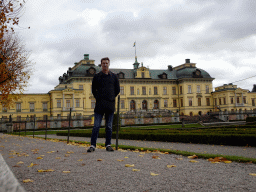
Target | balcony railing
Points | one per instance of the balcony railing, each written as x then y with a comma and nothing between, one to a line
239,104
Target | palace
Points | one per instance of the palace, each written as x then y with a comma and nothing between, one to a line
184,89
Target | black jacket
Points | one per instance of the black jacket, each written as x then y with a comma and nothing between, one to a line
105,88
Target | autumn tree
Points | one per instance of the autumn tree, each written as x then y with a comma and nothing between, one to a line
14,63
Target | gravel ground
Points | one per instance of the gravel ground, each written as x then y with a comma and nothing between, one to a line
109,174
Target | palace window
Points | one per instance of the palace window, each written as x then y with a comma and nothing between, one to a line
68,104
144,105
165,103
174,103
149,91
208,101
253,102
4,109
138,91
81,87
77,103
32,107
181,102
143,90
122,104
189,89
174,90
155,90
207,89
198,90
132,90
190,101
244,100
121,90
232,100
132,105
18,107
142,75
165,90
224,100
44,106
237,100
180,89
219,101
58,103
199,101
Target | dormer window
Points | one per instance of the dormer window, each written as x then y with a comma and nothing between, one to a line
121,75
197,74
142,75
163,76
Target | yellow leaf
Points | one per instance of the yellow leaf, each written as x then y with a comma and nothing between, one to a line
31,165
135,170
170,166
66,171
215,162
27,180
126,157
70,152
179,158
166,153
42,155
227,161
80,160
67,155
120,160
57,158
129,165
20,162
252,174
99,159
11,157
141,156
142,153
39,158
193,161
192,157
153,174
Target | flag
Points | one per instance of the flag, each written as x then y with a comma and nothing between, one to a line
134,44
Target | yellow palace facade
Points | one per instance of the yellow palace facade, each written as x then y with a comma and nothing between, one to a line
185,89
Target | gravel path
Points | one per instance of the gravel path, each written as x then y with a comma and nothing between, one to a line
197,148
87,173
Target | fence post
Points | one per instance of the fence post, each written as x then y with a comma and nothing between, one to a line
34,125
69,124
26,127
46,127
117,129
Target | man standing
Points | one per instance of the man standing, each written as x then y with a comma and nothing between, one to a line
105,87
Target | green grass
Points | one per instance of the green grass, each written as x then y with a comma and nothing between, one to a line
238,159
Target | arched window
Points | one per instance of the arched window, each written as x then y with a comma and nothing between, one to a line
191,114
144,105
156,104
132,105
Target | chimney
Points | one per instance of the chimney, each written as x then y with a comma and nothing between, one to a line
254,88
86,56
170,67
187,60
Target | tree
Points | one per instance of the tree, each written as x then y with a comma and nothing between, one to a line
14,63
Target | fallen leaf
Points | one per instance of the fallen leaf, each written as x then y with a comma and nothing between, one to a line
141,155
32,164
67,155
11,157
155,157
99,159
48,170
20,162
57,158
126,157
70,152
252,174
80,160
129,165
83,164
120,160
179,158
166,153
170,166
27,180
153,174
192,157
39,158
193,161
65,171
227,161
135,170
215,162
16,166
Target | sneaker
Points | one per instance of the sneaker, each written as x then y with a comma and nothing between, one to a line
109,148
91,149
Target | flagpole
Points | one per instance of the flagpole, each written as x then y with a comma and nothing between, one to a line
135,48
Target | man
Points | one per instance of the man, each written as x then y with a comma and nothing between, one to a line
105,87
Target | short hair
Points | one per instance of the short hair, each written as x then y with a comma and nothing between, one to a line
105,58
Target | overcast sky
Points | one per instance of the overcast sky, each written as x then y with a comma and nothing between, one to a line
217,35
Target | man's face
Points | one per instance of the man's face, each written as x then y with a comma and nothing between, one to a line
105,65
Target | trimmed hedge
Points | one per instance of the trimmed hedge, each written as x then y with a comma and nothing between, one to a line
250,119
